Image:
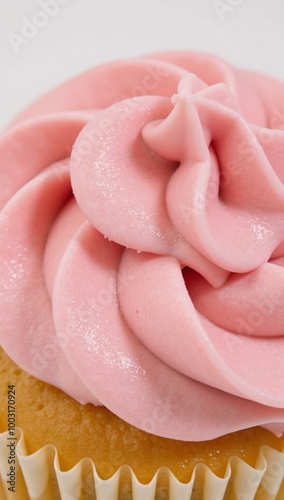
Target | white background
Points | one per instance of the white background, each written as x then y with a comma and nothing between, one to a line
82,33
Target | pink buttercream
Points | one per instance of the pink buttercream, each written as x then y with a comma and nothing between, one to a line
153,286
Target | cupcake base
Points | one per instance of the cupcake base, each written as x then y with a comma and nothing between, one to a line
39,477
64,450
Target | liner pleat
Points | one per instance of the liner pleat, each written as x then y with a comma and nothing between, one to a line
39,477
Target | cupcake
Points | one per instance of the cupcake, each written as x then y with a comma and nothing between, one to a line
142,285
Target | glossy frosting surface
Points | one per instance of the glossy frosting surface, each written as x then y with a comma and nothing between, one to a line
142,244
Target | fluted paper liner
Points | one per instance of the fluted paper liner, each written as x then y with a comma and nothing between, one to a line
39,477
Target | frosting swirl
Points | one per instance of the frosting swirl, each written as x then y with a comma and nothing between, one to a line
142,244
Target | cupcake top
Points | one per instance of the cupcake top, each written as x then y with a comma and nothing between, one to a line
142,244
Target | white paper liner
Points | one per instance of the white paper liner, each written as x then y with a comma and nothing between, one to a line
39,477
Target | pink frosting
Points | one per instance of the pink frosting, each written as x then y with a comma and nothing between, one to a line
142,243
